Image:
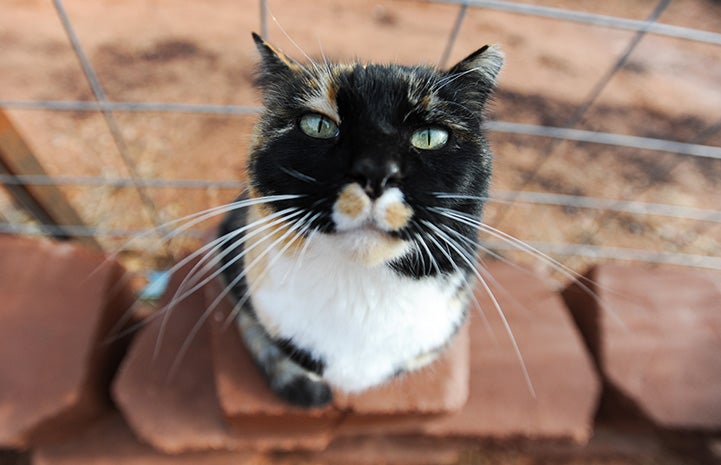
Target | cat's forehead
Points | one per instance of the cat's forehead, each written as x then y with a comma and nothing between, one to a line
371,88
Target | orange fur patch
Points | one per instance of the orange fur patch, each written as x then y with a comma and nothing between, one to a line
282,56
384,249
398,215
331,91
351,201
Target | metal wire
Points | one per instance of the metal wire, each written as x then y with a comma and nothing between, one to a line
453,36
509,127
538,198
121,182
580,111
107,114
607,138
86,231
106,105
612,22
563,133
618,253
622,206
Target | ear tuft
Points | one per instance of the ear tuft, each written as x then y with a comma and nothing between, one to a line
487,61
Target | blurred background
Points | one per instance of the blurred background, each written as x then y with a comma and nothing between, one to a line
117,117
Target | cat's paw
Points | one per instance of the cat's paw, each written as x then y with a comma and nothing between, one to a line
304,391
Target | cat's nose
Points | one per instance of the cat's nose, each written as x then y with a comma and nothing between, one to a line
374,177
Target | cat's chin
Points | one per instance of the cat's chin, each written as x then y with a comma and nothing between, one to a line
369,245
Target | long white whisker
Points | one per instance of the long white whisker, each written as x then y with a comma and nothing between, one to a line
422,243
236,258
208,311
249,291
295,44
564,270
447,80
193,219
307,225
451,243
213,258
299,261
193,276
476,303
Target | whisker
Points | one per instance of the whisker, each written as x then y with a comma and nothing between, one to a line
295,44
476,303
448,195
209,263
307,225
297,174
303,251
524,247
236,258
193,219
451,243
208,311
249,291
419,240
440,84
216,258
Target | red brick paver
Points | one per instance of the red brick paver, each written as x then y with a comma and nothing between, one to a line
500,404
59,305
656,335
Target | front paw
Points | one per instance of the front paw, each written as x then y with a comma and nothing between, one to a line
303,390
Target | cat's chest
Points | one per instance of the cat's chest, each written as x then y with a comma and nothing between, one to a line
365,323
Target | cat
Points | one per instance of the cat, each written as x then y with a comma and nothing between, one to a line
351,255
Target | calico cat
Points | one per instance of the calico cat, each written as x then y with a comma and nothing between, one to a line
352,258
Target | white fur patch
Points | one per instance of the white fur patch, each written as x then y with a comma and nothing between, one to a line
364,322
373,214
352,209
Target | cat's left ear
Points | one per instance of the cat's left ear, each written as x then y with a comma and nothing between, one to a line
486,61
274,62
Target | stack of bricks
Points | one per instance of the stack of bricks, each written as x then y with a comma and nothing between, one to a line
186,391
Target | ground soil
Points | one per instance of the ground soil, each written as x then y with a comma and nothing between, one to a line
196,52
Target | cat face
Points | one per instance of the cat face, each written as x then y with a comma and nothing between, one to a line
372,150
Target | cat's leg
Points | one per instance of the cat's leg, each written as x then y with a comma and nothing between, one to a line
286,378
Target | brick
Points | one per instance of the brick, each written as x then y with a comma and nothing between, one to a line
59,305
181,412
110,441
389,450
656,336
500,403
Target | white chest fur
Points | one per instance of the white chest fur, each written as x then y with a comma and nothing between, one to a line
365,322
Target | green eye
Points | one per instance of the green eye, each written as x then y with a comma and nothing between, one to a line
318,126
429,138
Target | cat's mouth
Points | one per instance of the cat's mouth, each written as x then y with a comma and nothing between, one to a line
354,210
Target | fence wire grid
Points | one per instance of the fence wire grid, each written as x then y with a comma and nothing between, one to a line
649,196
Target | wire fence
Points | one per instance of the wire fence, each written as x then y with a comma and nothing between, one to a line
550,137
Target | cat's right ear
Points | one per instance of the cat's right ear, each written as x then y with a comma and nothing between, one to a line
274,63
486,62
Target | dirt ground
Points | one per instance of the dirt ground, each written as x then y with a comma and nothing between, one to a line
201,52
